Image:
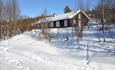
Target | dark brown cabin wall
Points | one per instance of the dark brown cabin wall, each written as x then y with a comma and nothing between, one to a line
49,24
84,19
46,25
54,24
62,23
76,20
69,22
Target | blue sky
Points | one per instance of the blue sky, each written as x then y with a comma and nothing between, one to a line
34,8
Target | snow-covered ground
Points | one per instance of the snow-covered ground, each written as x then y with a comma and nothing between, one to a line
27,52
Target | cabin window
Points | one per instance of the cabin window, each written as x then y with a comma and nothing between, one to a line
51,24
65,22
57,24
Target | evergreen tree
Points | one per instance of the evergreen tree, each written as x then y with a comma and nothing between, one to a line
67,9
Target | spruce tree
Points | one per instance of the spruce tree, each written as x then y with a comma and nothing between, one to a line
67,9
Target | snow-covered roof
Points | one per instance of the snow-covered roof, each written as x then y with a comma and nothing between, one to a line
60,17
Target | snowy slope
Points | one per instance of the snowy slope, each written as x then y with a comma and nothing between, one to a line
28,52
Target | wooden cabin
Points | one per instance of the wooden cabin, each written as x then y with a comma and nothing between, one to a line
71,19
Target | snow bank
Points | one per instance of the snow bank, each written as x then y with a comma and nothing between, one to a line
25,52
26,42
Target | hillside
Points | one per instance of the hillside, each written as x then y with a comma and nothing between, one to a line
9,29
28,51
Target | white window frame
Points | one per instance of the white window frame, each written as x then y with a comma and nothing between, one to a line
51,24
65,23
57,23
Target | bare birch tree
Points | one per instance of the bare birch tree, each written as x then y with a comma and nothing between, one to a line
1,19
9,12
44,28
13,13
